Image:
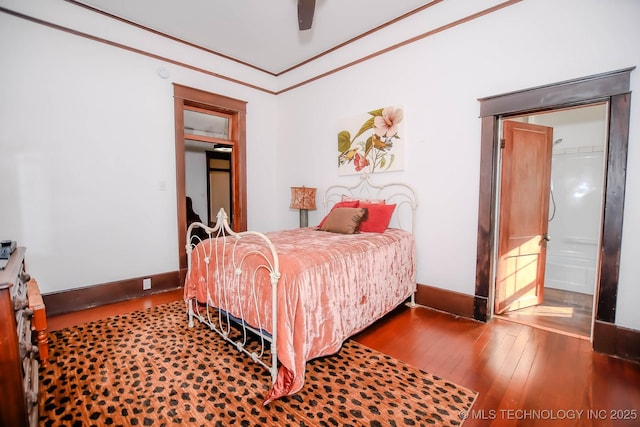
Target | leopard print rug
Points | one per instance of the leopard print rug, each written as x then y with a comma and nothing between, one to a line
148,368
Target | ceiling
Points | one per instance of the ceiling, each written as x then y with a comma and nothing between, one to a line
260,33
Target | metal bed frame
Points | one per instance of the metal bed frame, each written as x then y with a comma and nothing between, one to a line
236,331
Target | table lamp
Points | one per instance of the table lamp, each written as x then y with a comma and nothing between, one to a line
303,198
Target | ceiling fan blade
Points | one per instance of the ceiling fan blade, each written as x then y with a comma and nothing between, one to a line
306,8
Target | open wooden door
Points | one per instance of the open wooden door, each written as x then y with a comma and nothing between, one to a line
524,209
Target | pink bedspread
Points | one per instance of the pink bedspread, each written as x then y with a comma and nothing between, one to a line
331,287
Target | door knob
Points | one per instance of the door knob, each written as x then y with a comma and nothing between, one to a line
545,240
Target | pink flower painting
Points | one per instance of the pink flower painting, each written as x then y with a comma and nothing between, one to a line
371,142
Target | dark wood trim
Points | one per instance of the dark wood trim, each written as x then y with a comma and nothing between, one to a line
167,36
445,300
206,100
361,36
239,173
616,340
403,43
619,113
609,87
480,308
582,90
107,293
132,49
181,192
628,343
320,55
230,58
237,110
210,73
486,214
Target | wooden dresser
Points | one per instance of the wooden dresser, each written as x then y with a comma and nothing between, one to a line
21,313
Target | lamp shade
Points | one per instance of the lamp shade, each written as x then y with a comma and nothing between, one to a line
303,198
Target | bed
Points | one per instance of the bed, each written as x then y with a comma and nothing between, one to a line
290,296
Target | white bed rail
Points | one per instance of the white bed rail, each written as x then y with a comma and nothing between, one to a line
220,252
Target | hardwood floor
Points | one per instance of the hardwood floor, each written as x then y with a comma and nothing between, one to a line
525,376
96,313
562,311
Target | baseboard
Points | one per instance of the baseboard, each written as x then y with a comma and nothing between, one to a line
92,296
107,293
614,340
445,300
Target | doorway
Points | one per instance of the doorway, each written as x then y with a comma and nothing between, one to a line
565,216
208,180
612,87
189,104
219,188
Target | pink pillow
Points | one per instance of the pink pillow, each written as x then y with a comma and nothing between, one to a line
378,219
349,204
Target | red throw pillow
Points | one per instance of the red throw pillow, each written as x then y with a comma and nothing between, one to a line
378,218
348,204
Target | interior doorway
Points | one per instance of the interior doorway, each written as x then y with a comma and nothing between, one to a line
552,282
219,188
208,180
612,87
190,107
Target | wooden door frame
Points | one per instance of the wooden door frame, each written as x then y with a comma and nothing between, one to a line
612,87
237,109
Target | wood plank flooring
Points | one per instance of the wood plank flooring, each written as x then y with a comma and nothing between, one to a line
562,311
525,376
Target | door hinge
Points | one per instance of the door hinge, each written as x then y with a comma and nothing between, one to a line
502,143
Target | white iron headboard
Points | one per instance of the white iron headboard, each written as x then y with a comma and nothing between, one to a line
398,193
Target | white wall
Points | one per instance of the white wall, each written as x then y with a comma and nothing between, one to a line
87,148
86,132
439,80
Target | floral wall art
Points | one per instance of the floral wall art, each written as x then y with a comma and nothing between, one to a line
372,142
